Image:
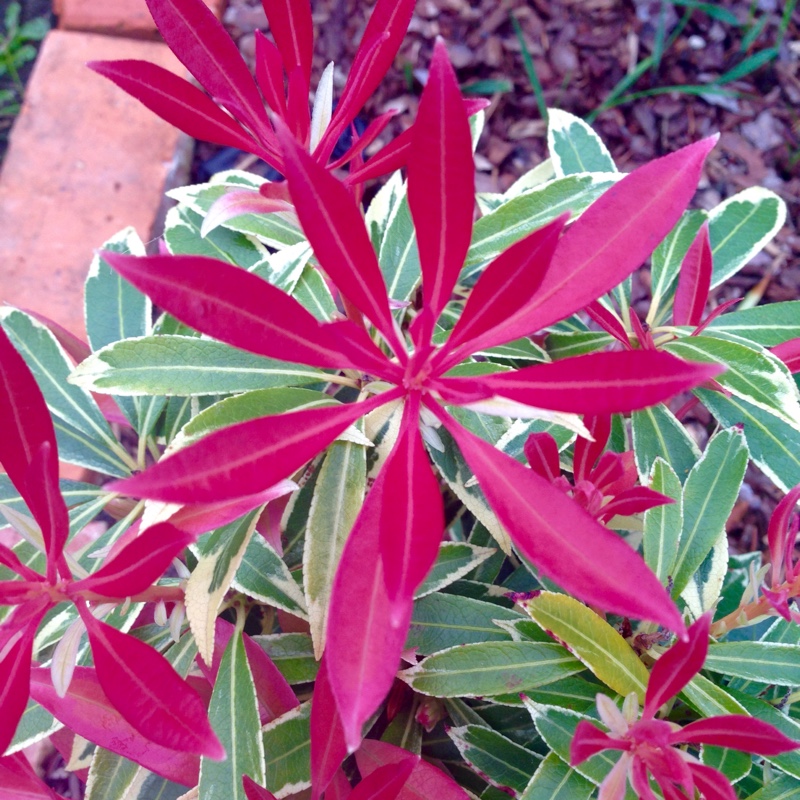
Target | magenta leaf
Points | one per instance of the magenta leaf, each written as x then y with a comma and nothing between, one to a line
335,229
363,646
561,539
387,781
146,690
86,710
138,565
587,451
541,450
328,746
245,458
712,784
229,303
425,781
412,515
441,182
8,558
291,27
677,666
633,501
198,39
779,531
789,353
694,281
255,792
588,740
269,74
298,114
608,322
180,103
15,677
737,732
18,781
597,383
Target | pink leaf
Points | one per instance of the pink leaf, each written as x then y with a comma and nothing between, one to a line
339,788
293,31
506,285
597,383
426,782
560,538
588,740
139,565
609,322
694,281
229,303
180,103
328,746
614,236
255,792
15,676
789,353
335,229
441,182
587,451
246,458
146,690
87,711
677,667
541,450
712,784
18,781
633,501
234,204
269,74
14,593
387,781
202,517
363,647
198,39
779,531
737,732
8,558
412,514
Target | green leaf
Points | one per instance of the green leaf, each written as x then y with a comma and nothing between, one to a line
185,365
708,699
441,621
399,256
292,654
774,445
662,524
705,584
513,440
454,561
556,780
489,668
521,215
36,724
754,375
734,765
768,662
338,497
382,207
740,226
657,433
81,430
233,713
287,743
264,576
592,640
708,497
576,343
313,294
110,776
782,787
496,758
574,693
518,350
767,325
219,555
574,146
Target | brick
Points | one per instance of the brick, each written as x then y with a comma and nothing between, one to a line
84,161
115,17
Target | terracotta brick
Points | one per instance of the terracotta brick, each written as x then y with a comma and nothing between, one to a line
84,161
117,17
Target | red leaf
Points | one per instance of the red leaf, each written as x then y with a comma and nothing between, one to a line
441,182
778,533
609,322
597,383
694,281
541,450
426,782
181,103
738,732
387,781
15,677
633,501
677,667
506,285
229,303
388,159
269,74
146,690
28,450
198,39
246,458
255,792
587,451
18,781
298,114
373,130
615,235
363,647
335,229
14,593
713,785
412,514
293,31
139,565
560,538
8,558
588,740
86,710
789,353
328,746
